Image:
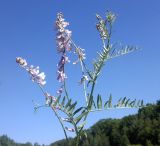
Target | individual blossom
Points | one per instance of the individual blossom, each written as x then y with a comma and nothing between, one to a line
22,62
61,76
49,99
60,90
70,129
57,107
83,79
36,76
65,119
81,55
64,59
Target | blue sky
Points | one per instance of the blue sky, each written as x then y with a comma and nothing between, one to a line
27,30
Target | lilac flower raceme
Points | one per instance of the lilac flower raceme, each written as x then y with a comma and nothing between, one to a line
63,35
34,72
64,44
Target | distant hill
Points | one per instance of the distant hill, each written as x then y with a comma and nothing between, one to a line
142,129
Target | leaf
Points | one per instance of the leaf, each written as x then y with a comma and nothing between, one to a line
90,81
122,51
142,103
93,104
90,101
78,110
132,103
108,102
99,102
123,101
127,101
68,104
77,119
57,101
72,107
80,127
119,103
105,105
63,101
138,103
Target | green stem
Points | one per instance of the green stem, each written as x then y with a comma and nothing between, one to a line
55,113
87,70
61,124
84,83
77,134
65,90
97,73
82,68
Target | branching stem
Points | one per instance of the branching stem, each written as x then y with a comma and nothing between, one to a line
56,114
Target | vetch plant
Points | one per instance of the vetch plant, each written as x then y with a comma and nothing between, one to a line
71,117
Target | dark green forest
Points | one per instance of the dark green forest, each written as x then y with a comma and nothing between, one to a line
142,129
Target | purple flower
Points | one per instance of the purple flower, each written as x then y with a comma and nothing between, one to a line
63,44
84,78
34,72
60,90
50,97
63,35
65,119
70,129
61,76
22,62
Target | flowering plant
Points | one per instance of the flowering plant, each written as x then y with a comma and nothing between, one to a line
64,108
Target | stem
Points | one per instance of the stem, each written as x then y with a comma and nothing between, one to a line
77,133
65,90
61,124
82,68
55,113
87,71
64,83
84,84
75,127
97,73
104,45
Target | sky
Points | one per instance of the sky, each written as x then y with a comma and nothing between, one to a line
27,30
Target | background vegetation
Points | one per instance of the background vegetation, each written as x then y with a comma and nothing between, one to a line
142,129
